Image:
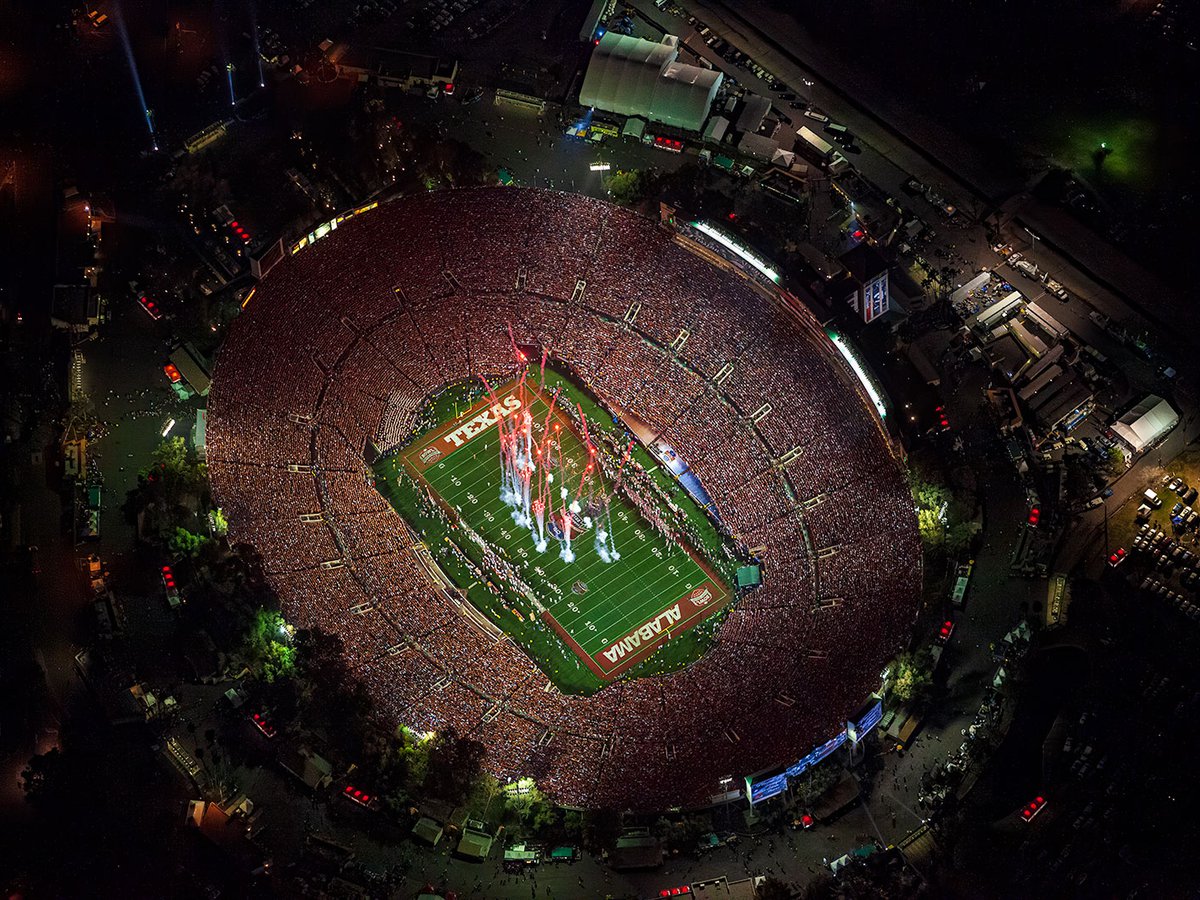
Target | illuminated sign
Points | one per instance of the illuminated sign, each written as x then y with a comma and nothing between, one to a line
1057,592
742,252
1032,808
867,720
818,754
150,307
359,796
766,788
325,227
860,373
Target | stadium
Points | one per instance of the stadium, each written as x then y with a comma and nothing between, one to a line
571,483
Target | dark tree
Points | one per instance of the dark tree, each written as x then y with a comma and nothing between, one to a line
329,693
47,781
774,889
455,764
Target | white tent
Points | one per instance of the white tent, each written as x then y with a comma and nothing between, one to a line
1145,423
782,157
635,77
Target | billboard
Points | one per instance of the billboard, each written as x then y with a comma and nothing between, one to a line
865,721
765,788
817,754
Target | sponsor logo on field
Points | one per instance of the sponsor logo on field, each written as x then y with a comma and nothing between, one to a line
430,455
700,596
580,587
644,634
480,423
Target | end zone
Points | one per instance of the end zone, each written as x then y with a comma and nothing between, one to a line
641,641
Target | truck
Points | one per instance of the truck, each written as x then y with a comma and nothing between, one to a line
840,133
815,144
1028,269
962,578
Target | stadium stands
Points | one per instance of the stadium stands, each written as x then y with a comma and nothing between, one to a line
345,340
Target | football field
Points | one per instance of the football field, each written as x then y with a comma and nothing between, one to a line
612,614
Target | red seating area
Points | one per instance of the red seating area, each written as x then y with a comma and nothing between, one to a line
455,258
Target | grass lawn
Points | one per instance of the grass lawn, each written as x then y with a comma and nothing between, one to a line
584,621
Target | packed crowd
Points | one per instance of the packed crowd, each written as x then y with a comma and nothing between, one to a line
345,341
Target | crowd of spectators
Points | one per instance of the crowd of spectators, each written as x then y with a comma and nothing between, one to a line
345,341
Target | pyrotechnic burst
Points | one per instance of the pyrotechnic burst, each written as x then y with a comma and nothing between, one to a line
550,507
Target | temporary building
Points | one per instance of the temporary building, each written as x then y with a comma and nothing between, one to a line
635,77
758,146
1145,423
754,109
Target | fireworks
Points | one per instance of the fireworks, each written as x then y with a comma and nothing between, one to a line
535,480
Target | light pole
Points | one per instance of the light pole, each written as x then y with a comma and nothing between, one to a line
1106,550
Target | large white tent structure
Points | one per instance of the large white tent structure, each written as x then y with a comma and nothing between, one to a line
635,77
1141,426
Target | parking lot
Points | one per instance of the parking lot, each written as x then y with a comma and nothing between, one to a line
1139,519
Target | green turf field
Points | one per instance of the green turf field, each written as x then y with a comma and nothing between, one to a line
584,621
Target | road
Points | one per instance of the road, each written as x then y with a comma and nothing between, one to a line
887,159
898,141
921,145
